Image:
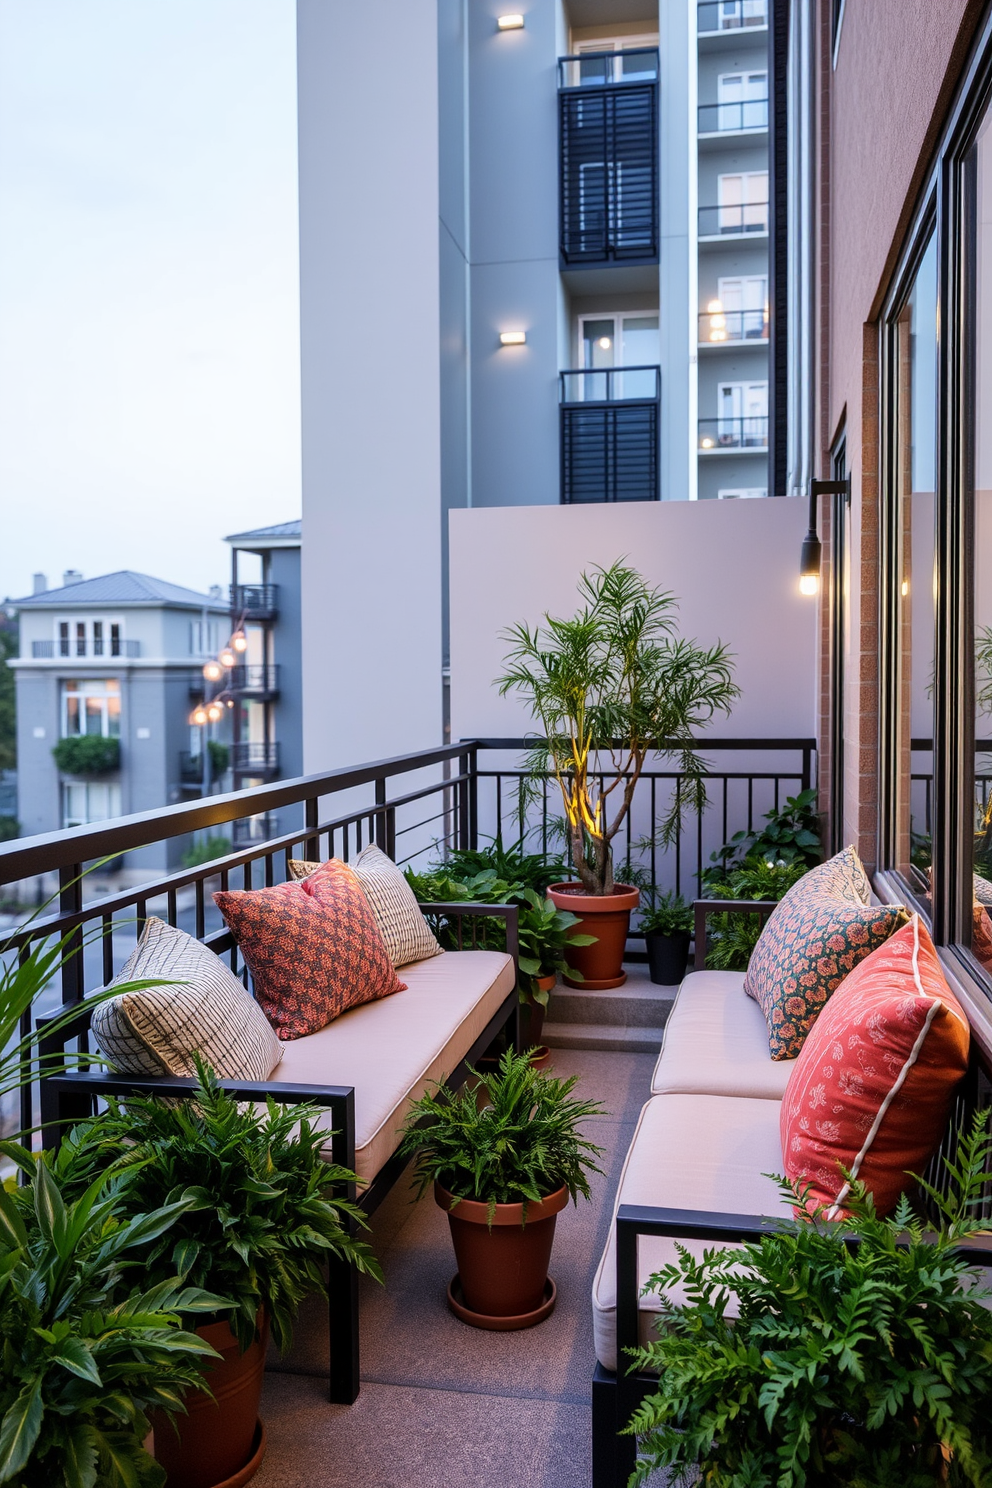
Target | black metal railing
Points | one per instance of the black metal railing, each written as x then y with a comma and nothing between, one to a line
92,648
190,768
715,16
414,807
249,757
254,601
719,326
750,433
258,679
609,434
608,157
733,221
733,118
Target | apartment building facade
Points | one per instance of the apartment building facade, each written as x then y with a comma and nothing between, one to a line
114,658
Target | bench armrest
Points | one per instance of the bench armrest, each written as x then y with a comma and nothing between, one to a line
459,909
702,908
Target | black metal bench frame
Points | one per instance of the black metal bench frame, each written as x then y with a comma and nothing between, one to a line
71,1096
616,1396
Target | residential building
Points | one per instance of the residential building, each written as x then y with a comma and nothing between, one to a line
116,657
266,683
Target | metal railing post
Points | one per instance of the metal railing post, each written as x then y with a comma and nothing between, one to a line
464,809
71,902
473,801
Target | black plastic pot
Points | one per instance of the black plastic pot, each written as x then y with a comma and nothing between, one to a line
668,957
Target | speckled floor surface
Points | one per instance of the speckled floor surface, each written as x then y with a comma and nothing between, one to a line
443,1405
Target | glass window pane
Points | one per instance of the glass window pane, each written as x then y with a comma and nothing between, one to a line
983,511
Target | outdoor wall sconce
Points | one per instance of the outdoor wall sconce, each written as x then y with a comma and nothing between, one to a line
510,23
809,558
513,338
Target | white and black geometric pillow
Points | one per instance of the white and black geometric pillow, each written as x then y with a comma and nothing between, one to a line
208,1012
407,934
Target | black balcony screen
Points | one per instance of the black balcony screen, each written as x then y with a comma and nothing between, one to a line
609,173
609,452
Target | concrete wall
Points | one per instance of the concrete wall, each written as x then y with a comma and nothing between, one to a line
733,566
370,318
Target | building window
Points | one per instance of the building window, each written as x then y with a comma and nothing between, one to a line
90,637
742,202
741,493
85,802
204,637
91,706
609,341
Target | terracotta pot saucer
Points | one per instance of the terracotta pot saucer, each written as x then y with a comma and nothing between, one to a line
252,1465
501,1324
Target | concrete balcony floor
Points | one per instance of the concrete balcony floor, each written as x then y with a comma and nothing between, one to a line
443,1405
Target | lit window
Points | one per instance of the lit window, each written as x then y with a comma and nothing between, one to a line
91,706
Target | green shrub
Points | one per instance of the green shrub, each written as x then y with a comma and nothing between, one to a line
220,757
10,828
733,937
87,754
792,835
666,914
534,870
206,850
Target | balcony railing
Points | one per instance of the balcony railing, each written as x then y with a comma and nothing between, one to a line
254,601
726,221
749,433
731,118
91,649
414,807
608,157
609,434
730,15
732,326
251,758
260,681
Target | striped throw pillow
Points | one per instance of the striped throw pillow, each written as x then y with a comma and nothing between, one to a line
157,1031
406,933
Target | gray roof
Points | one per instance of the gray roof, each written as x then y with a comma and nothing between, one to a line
264,534
123,588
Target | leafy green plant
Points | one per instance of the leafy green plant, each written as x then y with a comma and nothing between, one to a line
518,1143
86,1353
615,680
792,835
861,1358
87,754
667,914
511,864
543,931
260,1214
220,757
733,937
206,850
10,828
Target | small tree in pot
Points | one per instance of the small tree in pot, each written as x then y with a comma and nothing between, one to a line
502,1169
616,681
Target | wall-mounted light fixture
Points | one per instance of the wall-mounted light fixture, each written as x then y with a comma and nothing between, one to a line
809,559
510,23
513,338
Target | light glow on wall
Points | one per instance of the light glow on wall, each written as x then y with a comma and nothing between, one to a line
510,23
513,338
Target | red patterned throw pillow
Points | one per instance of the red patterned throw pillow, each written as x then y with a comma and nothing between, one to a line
817,934
872,1089
313,948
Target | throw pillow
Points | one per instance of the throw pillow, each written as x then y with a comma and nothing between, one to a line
313,948
871,1092
983,890
981,936
158,1030
814,937
406,933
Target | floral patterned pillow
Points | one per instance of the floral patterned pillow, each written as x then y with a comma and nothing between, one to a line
823,927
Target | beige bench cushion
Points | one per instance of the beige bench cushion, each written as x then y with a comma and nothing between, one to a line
703,1152
389,1050
716,1043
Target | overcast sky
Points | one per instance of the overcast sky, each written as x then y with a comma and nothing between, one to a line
149,323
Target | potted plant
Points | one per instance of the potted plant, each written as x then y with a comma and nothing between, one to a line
734,936
87,1352
502,1167
614,681
667,926
861,1356
259,1221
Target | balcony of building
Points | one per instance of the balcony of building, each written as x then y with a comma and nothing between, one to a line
720,329
608,157
719,22
255,758
255,680
733,222
609,434
89,648
725,436
254,602
722,124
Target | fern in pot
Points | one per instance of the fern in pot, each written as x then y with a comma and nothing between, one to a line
504,1158
667,927
259,1221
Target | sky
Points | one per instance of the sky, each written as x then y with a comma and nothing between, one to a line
149,307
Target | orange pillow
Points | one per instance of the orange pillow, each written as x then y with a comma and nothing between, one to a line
313,949
872,1088
981,936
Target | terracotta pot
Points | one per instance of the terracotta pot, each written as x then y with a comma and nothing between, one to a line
607,916
503,1271
668,957
220,1443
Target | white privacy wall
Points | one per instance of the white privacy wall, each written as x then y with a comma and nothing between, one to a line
732,564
